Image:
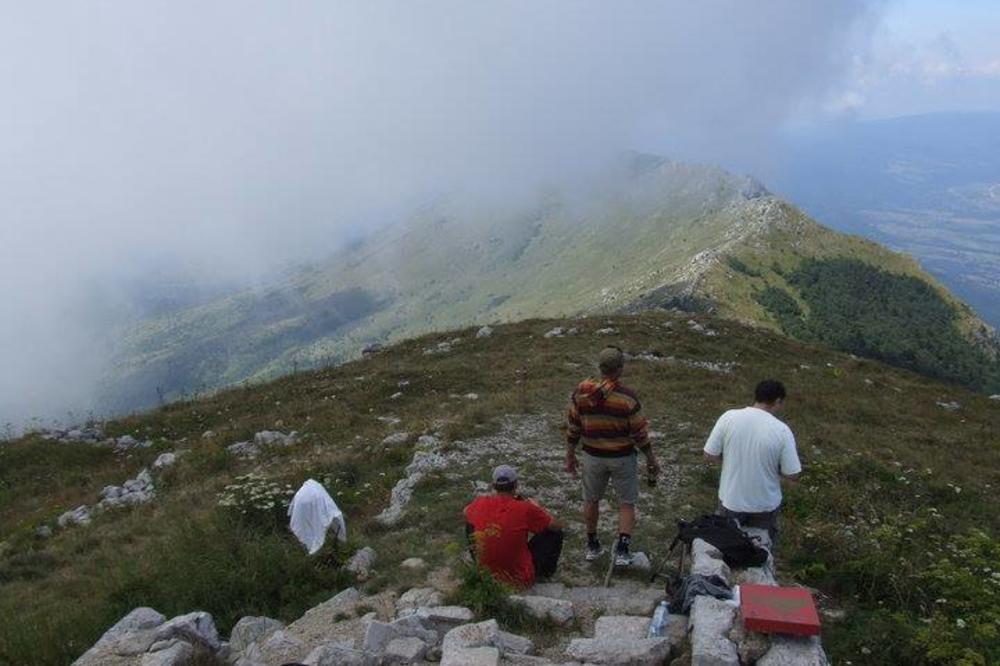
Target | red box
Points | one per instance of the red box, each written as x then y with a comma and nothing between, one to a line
786,610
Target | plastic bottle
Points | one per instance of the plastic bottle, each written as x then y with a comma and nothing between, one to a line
659,622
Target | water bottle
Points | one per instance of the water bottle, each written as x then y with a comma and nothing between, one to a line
659,622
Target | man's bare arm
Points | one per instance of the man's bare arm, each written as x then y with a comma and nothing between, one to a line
709,457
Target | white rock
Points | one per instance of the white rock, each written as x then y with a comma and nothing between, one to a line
624,652
556,332
178,654
478,656
362,562
413,563
273,437
558,611
396,396
711,620
706,560
606,331
208,434
995,396
791,651
195,628
164,460
338,654
396,438
622,626
43,531
419,597
407,650
379,634
110,492
484,332
471,635
640,561
78,516
250,630
949,406
471,396
450,615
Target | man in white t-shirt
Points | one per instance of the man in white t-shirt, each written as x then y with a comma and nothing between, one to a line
757,451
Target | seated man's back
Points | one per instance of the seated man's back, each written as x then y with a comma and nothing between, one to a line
502,524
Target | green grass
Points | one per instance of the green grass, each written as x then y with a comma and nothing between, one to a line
860,426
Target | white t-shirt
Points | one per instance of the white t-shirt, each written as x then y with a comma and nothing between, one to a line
756,448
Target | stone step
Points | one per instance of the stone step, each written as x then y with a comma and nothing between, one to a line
624,598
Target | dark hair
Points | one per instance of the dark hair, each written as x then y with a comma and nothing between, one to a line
769,391
505,486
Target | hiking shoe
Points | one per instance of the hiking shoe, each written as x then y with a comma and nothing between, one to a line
623,558
594,551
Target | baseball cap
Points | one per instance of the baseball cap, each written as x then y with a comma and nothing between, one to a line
610,359
504,474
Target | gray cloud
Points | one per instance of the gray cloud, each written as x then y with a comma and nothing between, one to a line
219,141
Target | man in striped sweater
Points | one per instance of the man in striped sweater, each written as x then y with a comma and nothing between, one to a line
606,417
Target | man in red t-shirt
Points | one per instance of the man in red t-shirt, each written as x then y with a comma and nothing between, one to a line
501,524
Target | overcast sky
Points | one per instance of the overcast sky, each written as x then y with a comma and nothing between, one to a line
217,141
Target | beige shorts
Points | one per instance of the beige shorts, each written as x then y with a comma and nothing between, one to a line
596,472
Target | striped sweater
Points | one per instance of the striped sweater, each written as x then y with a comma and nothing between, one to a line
607,417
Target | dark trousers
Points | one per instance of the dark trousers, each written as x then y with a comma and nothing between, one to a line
765,520
545,549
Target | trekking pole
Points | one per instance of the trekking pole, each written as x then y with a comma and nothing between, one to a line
611,568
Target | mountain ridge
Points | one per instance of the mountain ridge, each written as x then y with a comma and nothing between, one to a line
656,233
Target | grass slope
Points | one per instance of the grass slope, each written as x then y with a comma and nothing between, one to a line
894,521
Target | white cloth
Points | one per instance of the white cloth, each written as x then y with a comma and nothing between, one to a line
756,449
312,512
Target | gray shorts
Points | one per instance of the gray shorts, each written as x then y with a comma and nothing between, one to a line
596,471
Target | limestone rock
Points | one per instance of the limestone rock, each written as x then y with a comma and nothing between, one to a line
337,654
640,562
621,626
164,460
197,628
706,560
511,644
558,611
361,562
43,531
380,634
613,650
480,656
556,332
407,650
178,653
273,437
484,332
78,516
711,620
396,438
419,597
139,619
792,651
280,648
250,630
413,563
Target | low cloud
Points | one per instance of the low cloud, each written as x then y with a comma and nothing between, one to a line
155,143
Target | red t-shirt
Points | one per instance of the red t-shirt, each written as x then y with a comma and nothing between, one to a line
502,523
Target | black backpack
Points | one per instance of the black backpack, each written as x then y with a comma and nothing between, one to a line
737,548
